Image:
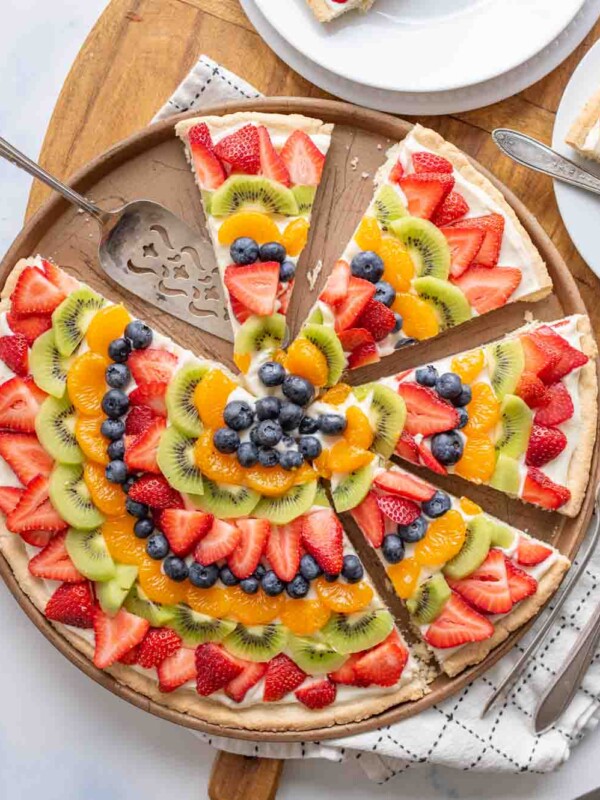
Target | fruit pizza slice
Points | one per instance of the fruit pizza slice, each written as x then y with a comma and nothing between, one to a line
584,134
437,246
326,10
468,579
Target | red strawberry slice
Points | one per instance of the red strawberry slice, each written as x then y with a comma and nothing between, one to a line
322,537
520,583
569,358
317,694
427,459
407,448
397,173
488,289
208,168
138,420
241,150
271,163
240,312
530,552
245,558
34,511
30,326
336,287
426,412
365,354
35,294
493,225
346,674
351,307
176,670
157,644
303,159
9,497
369,518
37,538
151,395
152,365
540,358
558,406
398,509
283,549
200,134
361,347
221,541
72,604
19,405
452,208
13,351
59,278
116,635
542,491
378,319
424,161
464,245
255,286
54,563
545,444
532,390
184,528
281,678
425,192
458,623
284,295
405,485
249,677
155,491
383,665
141,453
487,588
215,668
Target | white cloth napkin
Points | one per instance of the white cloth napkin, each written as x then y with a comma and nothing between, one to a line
450,734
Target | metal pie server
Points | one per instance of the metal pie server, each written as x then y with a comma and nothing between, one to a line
149,251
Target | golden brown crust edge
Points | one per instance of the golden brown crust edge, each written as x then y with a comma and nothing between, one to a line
582,125
324,13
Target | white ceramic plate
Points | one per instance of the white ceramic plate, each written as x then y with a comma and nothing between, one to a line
579,209
423,45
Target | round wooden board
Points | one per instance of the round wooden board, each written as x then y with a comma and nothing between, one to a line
151,164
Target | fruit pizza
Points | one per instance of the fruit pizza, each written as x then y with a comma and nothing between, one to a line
584,133
326,10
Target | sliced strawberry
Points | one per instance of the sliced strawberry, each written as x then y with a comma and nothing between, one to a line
425,192
360,345
30,326
398,509
141,454
425,161
348,311
426,412
35,294
545,444
542,491
458,623
378,319
281,678
54,563
215,668
452,208
200,134
283,549
152,365
405,485
540,358
221,541
240,311
383,665
59,278
245,558
464,245
138,420
284,295
493,225
116,635
271,163
176,670
322,537
209,170
569,358
19,405
487,588
532,390
72,604
531,552
369,518
34,511
488,289
25,456
346,674
13,351
317,694
37,538
557,408
241,150
364,354
255,286
9,498
303,159
249,677
156,492
520,583
336,287
397,173
184,528
427,459
157,644
407,448
151,395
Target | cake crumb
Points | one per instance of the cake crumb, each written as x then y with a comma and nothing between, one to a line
313,274
380,146
354,163
365,175
528,316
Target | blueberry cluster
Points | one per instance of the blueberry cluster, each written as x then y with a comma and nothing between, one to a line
369,266
245,251
447,447
394,543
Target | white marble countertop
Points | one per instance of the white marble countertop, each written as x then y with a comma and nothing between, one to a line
63,736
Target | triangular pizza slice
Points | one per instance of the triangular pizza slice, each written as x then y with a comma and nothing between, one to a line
326,10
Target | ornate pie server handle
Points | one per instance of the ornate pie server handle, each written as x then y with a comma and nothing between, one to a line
531,153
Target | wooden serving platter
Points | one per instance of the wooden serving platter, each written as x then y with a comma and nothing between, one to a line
151,164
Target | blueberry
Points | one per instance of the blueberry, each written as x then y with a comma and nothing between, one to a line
267,408
139,334
464,398
288,441
398,324
238,415
437,506
271,584
116,472
309,568
298,390
290,415
247,454
269,433
447,447
244,250
352,570
413,532
331,577
254,435
227,577
367,265
119,350
226,440
392,548
308,425
310,447
271,373
128,483
116,450
298,587
463,417
384,293
117,376
259,572
136,509
272,251
267,457
291,459
404,342
143,528
448,385
332,424
249,585
427,376
287,271
175,568
157,546
113,429
115,403
203,576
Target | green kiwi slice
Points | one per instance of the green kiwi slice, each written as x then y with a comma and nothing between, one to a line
355,632
195,628
88,551
139,604
305,197
260,333
48,367
55,428
506,477
387,411
314,656
256,643
506,363
352,489
329,344
288,506
517,419
451,306
181,408
71,319
388,206
176,460
474,551
427,602
426,245
70,497
111,594
225,501
253,193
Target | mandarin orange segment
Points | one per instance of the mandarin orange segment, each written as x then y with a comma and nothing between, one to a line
295,236
279,356
419,318
85,383
483,410
337,394
269,481
107,496
346,598
157,586
305,474
469,507
368,235
210,397
478,460
358,428
254,609
345,457
469,365
444,538
305,616
214,602
404,577
91,440
109,323
122,543
305,359
322,464
242,361
254,224
216,466
399,269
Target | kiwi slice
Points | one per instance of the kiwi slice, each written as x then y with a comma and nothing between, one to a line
139,604
176,460
321,498
355,632
288,506
305,197
474,550
502,535
451,306
315,317
387,412
426,245
506,477
353,488
329,344
516,419
181,408
388,206
112,593
48,367
55,428
225,501
195,628
71,498
429,599
88,551
260,333
71,319
253,193
506,363
256,643
313,656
